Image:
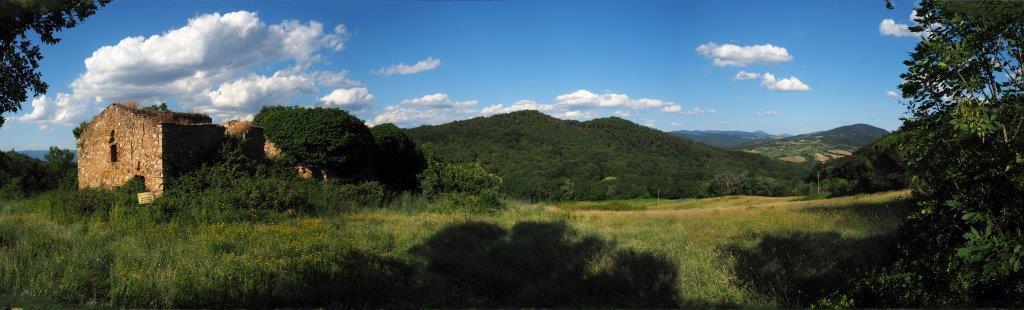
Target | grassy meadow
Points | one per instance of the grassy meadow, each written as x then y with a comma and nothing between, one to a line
725,251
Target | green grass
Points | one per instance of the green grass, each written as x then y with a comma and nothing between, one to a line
736,250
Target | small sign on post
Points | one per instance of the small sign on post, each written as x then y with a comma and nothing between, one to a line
145,197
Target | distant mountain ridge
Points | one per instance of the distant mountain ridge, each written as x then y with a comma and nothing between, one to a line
40,154
542,157
819,146
726,138
855,136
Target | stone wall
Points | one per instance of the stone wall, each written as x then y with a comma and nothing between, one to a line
186,147
251,135
118,145
123,142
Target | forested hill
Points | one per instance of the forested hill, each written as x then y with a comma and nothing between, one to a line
542,157
725,139
855,136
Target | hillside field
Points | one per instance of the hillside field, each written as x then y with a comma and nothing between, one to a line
733,250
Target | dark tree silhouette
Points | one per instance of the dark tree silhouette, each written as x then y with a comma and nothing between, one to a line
20,55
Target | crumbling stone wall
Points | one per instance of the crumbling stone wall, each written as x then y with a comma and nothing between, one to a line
123,142
252,137
118,145
186,147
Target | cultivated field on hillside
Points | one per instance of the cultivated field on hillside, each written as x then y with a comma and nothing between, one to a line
734,250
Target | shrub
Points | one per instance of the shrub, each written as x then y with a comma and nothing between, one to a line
462,178
332,196
330,140
398,159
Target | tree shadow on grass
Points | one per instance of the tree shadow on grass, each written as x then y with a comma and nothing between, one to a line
539,264
799,269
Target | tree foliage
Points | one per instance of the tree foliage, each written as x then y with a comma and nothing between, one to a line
330,140
879,166
20,55
398,159
21,175
965,154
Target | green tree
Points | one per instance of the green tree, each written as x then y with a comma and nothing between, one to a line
965,154
20,55
328,140
398,159
60,163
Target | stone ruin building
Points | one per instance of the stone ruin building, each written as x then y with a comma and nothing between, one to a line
125,142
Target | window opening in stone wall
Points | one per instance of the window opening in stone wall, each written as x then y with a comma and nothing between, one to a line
113,148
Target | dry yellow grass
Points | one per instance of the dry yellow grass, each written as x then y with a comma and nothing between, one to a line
793,159
694,234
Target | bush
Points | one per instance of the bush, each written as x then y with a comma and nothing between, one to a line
329,140
398,159
487,201
441,178
728,183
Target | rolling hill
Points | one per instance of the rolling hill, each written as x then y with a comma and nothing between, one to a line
542,157
818,146
724,138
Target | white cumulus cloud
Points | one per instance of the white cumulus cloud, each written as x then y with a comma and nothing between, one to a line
437,100
585,97
423,65
209,65
577,115
433,108
792,83
892,94
520,105
744,75
740,56
46,110
890,27
355,98
768,113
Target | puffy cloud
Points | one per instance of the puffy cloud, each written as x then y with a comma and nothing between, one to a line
577,115
437,100
768,113
890,27
47,111
744,75
585,97
235,98
406,116
892,94
208,65
672,108
520,105
338,79
356,98
427,100
740,56
787,84
430,109
423,65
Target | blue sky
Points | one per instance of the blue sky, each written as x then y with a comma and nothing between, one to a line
427,62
